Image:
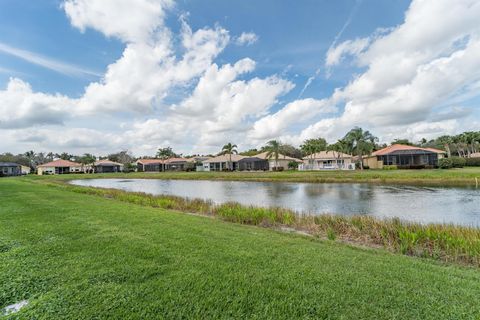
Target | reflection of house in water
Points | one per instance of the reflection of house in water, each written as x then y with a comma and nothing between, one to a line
280,190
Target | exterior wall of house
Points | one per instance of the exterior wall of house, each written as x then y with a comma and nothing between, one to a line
219,166
58,170
11,170
26,170
373,162
327,164
283,163
253,165
107,169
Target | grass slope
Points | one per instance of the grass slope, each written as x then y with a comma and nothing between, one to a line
77,256
464,176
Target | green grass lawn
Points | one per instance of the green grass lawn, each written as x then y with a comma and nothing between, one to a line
464,176
79,256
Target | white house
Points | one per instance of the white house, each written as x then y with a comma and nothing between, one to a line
328,160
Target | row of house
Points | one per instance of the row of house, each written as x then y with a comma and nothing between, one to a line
398,155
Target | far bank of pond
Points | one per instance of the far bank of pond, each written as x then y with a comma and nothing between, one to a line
454,205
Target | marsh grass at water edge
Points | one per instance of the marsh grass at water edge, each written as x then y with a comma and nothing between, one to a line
443,242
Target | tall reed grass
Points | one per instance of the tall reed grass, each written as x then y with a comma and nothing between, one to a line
444,242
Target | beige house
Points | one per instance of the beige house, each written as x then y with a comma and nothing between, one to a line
404,156
59,167
328,160
222,162
282,161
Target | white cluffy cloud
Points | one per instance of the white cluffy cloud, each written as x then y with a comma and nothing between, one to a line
20,107
427,62
169,88
155,63
130,21
246,38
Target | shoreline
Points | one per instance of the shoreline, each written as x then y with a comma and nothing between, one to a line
465,177
447,243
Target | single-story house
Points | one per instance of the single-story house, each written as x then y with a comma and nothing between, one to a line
149,165
328,160
159,165
179,164
222,162
282,161
253,164
475,155
107,166
404,156
59,167
10,169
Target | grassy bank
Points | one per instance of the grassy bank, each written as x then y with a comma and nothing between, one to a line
443,242
74,255
464,176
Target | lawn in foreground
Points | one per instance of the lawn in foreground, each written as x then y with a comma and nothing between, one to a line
80,256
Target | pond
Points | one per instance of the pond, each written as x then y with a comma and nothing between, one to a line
420,204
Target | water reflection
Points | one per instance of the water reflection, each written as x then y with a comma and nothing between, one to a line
423,204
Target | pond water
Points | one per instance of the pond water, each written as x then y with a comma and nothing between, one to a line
421,204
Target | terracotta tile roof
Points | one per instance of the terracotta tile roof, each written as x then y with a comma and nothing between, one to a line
402,147
106,162
328,155
61,163
263,155
150,161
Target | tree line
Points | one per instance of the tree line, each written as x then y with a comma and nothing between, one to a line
357,141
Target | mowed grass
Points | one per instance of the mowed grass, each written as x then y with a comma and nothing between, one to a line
79,256
463,176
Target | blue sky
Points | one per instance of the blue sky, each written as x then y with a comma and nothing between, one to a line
293,39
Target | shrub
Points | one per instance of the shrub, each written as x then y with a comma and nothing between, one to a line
445,163
458,162
293,165
391,167
472,162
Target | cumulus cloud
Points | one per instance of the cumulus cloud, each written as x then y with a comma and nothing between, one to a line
246,38
296,112
336,54
20,107
130,21
175,92
411,70
219,108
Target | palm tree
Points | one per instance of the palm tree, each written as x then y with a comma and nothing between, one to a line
273,150
312,146
362,142
446,141
229,149
339,147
